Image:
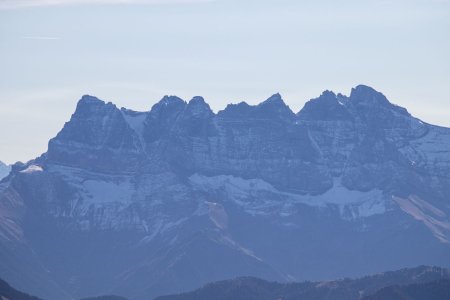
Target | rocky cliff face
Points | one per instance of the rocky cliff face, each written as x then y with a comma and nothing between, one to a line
150,203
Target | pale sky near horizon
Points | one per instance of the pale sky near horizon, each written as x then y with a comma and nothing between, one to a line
133,52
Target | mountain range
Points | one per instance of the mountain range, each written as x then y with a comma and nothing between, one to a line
143,204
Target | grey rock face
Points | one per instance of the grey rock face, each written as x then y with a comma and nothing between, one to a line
141,204
97,137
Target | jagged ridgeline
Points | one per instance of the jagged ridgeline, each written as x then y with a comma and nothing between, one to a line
142,204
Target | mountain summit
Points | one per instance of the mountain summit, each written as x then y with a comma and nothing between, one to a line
142,204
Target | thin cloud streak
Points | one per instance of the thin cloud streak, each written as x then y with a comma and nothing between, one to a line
40,38
17,4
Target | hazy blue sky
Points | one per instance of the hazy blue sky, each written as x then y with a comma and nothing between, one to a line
54,51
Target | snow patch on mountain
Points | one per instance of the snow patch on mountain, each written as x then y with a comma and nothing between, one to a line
217,214
258,197
103,192
32,169
125,201
97,188
431,151
135,121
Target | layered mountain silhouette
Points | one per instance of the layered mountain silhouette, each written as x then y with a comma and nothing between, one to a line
421,283
424,291
7,292
142,204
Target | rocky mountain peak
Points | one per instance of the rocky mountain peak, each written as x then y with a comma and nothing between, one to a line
274,106
89,104
90,112
197,100
168,105
327,94
242,109
96,128
365,96
197,107
88,99
275,99
171,100
328,106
